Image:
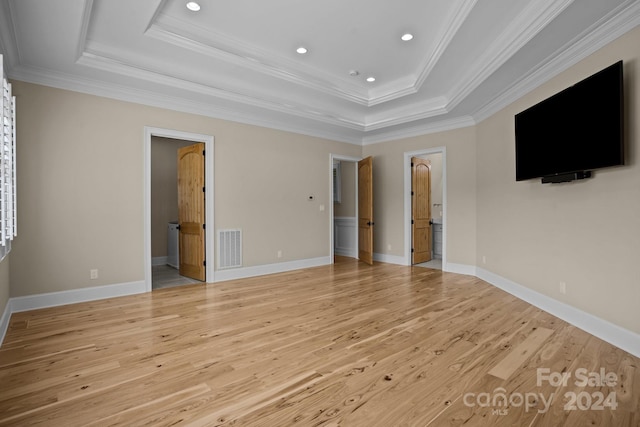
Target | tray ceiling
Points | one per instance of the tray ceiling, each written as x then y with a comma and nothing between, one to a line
238,61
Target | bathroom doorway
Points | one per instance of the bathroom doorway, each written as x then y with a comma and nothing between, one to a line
425,225
164,213
161,206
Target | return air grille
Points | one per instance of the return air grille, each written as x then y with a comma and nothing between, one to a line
229,248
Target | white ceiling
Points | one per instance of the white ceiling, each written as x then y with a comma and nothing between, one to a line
236,60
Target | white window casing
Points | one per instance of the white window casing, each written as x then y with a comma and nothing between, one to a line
8,193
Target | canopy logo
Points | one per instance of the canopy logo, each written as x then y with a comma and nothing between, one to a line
500,401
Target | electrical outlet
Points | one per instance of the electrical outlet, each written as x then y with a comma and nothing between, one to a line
484,259
93,274
279,254
563,288
389,248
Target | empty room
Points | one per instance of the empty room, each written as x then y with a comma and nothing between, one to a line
340,213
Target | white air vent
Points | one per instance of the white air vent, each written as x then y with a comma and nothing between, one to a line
229,248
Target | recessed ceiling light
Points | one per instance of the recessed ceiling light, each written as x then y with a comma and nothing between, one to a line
354,73
193,6
407,37
371,79
302,50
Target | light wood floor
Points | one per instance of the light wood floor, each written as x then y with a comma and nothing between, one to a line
342,345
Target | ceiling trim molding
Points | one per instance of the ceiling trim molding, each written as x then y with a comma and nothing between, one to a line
623,20
419,130
248,57
282,115
127,94
392,90
87,12
153,99
8,37
430,108
102,58
402,88
510,41
443,42
156,14
187,36
104,63
238,53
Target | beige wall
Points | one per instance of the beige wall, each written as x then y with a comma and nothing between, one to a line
585,233
164,190
80,169
347,205
388,191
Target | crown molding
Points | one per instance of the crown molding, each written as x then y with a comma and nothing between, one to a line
411,85
625,19
115,66
154,99
418,130
392,90
430,108
220,46
8,39
371,128
511,40
424,110
233,51
443,42
87,12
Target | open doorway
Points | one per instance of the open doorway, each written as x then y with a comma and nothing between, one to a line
425,208
165,228
162,207
344,215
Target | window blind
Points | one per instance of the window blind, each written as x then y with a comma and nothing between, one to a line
8,201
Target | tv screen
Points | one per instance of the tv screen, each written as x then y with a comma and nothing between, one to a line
574,131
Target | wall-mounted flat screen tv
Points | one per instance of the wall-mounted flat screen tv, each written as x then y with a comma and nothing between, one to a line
574,131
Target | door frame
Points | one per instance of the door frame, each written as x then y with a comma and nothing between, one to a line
407,201
355,160
209,202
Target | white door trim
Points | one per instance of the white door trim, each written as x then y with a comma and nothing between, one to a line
407,201
333,157
209,203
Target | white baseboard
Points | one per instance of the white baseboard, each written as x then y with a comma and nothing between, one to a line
260,270
159,260
389,259
451,267
620,337
4,321
54,299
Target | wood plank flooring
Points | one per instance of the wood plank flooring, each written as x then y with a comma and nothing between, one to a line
341,345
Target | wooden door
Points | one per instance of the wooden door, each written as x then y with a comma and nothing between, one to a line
420,210
191,211
365,210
